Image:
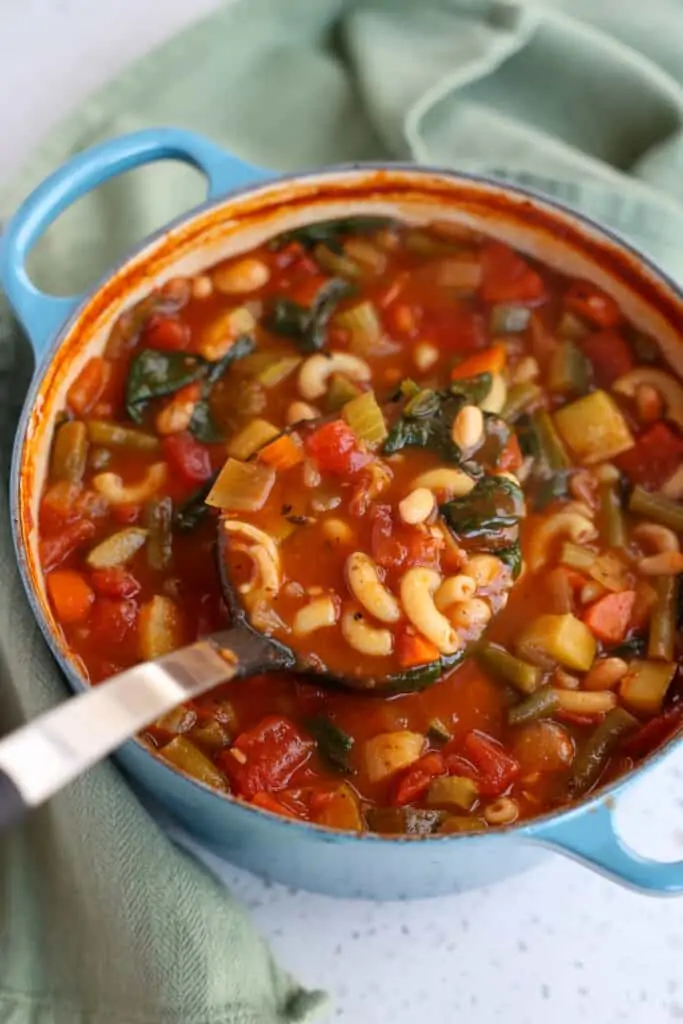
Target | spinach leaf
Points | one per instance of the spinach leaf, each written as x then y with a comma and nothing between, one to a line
330,232
633,648
474,389
426,423
512,557
202,425
193,509
154,374
488,516
306,324
334,745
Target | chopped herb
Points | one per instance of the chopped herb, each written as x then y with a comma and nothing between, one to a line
154,374
306,324
334,745
330,232
635,647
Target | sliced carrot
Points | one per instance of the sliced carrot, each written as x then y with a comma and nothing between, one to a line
414,649
609,619
282,453
71,596
491,360
88,386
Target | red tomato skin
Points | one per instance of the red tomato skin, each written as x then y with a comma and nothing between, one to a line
507,277
415,781
589,302
114,582
187,457
336,449
272,752
166,333
112,620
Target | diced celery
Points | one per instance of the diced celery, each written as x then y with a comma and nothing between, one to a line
160,628
183,754
550,445
241,486
569,371
563,639
251,438
388,752
593,428
212,735
340,390
455,824
509,319
451,792
117,549
610,571
439,731
364,326
277,371
644,687
367,255
365,418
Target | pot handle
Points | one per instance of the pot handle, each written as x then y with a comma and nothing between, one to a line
41,315
591,838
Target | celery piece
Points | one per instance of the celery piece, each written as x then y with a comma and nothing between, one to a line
550,639
569,371
571,326
550,445
520,397
576,557
241,486
365,418
508,319
160,627
593,428
277,371
252,437
117,549
335,262
340,390
364,326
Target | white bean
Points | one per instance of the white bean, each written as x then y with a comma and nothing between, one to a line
244,275
468,427
496,398
365,639
318,614
454,590
605,673
418,586
417,506
365,585
452,482
202,286
316,370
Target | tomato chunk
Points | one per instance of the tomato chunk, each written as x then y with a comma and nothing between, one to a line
263,759
188,458
588,301
114,582
511,456
495,769
507,277
53,550
166,333
337,450
609,618
112,620
416,779
609,354
654,458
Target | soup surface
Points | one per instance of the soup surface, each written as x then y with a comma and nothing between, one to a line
433,460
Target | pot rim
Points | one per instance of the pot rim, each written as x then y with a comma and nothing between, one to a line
592,802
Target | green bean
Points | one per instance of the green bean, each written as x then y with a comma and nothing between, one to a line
662,637
438,731
598,748
657,508
520,397
69,452
541,704
506,666
549,442
111,435
612,516
158,520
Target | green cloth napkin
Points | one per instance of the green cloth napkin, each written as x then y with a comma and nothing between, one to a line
103,920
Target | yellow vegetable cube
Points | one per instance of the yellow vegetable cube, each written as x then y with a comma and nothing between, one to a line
390,751
558,638
593,428
644,687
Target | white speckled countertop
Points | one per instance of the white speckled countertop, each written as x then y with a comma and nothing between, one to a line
558,944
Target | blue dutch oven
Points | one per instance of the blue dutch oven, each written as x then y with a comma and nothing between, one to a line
245,206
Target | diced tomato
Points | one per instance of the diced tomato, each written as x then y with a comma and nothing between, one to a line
609,354
415,781
653,459
267,756
305,291
507,277
464,332
267,802
58,505
166,333
127,513
88,386
492,360
70,594
589,302
336,449
53,550
114,582
413,649
387,550
511,456
653,733
609,618
112,620
187,457
496,769
422,547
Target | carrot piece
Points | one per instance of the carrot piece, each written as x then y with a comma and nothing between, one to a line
609,618
267,802
492,360
88,386
71,596
414,649
282,453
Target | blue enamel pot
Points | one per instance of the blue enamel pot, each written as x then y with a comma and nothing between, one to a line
246,205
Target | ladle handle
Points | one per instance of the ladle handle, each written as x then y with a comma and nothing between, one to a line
43,756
